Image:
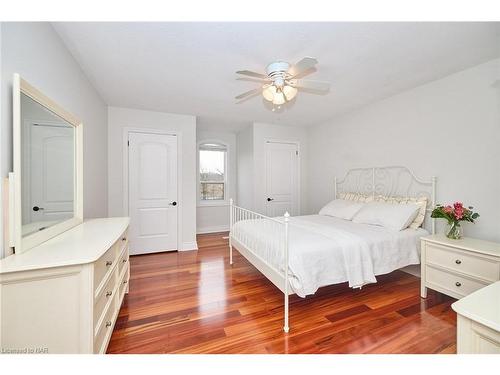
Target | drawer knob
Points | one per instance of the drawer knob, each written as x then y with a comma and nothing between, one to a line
124,260
108,294
108,263
108,323
124,238
458,261
124,281
458,283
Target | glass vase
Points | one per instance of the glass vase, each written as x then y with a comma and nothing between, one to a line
454,231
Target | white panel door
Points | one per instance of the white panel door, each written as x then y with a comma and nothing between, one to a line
51,165
152,192
282,189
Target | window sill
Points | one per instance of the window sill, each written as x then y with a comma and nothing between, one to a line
213,204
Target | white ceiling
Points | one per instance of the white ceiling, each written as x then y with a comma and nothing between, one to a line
190,68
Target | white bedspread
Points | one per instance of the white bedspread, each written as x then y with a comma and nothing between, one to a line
325,250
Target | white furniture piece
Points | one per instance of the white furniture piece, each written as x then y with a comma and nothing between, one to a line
458,267
47,183
478,321
64,295
259,248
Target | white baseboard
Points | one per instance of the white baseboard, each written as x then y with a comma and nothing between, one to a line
414,270
187,246
214,229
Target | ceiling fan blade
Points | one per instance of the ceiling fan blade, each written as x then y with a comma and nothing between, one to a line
259,80
249,93
320,86
303,65
251,74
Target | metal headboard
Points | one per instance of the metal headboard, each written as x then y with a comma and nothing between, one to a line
390,181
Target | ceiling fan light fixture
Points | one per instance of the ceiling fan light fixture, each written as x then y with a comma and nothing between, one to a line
282,80
279,98
269,92
289,92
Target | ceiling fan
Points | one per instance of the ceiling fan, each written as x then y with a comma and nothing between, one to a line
282,81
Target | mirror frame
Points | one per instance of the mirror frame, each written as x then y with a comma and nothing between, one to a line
21,244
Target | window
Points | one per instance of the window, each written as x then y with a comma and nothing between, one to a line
212,162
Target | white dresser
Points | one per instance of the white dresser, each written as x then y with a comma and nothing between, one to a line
458,267
64,295
478,321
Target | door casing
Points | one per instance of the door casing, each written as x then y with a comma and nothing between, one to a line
125,173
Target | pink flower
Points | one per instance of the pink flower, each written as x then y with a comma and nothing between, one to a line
448,209
459,213
458,205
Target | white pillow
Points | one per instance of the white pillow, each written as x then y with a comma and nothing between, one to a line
341,208
391,216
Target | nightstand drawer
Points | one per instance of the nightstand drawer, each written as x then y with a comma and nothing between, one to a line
458,285
459,261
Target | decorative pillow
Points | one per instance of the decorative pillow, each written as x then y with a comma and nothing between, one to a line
388,215
341,208
356,197
420,201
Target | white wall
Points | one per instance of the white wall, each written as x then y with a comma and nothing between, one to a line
251,162
215,217
121,118
35,51
449,128
245,180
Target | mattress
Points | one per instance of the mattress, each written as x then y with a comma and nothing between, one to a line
325,250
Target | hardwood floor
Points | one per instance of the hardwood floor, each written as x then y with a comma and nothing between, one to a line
195,302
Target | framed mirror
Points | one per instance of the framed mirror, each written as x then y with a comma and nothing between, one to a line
48,168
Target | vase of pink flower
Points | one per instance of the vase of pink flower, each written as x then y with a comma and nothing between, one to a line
454,215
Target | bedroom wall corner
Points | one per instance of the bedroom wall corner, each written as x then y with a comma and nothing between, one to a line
448,128
245,168
37,53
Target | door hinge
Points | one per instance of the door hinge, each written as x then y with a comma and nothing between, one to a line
297,153
128,143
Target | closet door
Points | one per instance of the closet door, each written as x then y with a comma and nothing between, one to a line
152,192
282,188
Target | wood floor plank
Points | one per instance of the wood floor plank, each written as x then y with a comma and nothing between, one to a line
195,302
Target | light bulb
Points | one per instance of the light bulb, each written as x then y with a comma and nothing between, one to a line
269,92
289,92
279,98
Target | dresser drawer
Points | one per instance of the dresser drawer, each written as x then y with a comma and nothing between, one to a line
123,260
458,285
106,294
103,265
106,328
122,241
459,261
124,282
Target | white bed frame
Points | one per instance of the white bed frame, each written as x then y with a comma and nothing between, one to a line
389,181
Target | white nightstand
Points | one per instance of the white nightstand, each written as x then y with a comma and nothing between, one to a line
458,267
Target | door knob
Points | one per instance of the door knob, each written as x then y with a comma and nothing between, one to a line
36,208
270,199
173,203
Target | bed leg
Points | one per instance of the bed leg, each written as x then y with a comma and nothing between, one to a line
230,252
286,328
231,209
